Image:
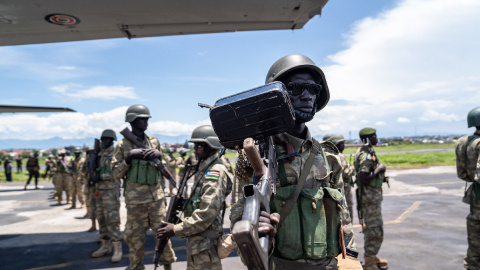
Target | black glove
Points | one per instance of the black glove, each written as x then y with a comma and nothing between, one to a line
150,154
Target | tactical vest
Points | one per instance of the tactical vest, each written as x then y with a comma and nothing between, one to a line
311,229
143,171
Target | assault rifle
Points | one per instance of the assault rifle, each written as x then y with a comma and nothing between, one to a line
239,121
134,139
93,163
174,207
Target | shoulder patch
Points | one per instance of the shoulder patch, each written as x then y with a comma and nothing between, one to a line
368,156
212,175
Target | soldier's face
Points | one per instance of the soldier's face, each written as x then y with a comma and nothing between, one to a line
341,146
199,149
304,101
373,139
140,123
107,141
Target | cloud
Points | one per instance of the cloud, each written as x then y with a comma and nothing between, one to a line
80,126
66,68
403,120
96,92
423,69
380,123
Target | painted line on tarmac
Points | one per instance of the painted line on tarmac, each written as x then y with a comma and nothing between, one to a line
439,183
83,262
402,217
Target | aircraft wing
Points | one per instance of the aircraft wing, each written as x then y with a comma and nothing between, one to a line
31,22
15,109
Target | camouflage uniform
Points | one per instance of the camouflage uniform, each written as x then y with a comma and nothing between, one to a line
108,201
172,167
62,178
203,227
77,181
181,165
89,192
145,206
371,201
468,169
320,175
347,175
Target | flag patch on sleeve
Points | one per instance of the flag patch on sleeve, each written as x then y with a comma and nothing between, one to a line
213,175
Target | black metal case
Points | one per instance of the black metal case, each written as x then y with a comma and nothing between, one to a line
255,113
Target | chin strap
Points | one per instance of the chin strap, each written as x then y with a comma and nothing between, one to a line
302,117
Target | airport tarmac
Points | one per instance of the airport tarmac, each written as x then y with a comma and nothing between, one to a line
422,211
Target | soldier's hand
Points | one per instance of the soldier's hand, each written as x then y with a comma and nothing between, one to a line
134,154
267,224
166,231
150,154
380,169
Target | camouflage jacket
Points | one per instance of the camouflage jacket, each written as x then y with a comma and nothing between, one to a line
59,167
181,166
467,157
366,162
77,166
205,224
172,165
135,193
348,171
320,174
107,181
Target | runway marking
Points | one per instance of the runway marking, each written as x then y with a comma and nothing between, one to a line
439,183
402,217
107,258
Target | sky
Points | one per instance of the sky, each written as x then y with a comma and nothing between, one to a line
406,68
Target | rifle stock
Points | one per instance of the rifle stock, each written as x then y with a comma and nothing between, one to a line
257,199
175,205
133,139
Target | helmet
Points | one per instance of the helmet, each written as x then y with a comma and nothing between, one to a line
135,111
365,132
171,150
62,151
473,118
289,63
334,138
184,151
108,133
77,150
88,148
206,135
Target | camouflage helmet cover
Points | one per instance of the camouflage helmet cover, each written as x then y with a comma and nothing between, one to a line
206,134
292,62
473,117
136,111
77,149
108,133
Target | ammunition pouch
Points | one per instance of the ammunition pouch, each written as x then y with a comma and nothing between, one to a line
104,171
377,181
311,230
143,172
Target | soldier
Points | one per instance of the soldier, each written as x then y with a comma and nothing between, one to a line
108,201
347,170
145,200
172,167
181,163
89,192
62,178
203,215
33,170
370,177
19,164
76,187
309,93
48,167
467,150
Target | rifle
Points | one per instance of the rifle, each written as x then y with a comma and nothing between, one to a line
133,139
385,178
256,114
93,163
175,205
358,196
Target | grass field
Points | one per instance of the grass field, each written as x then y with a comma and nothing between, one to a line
415,146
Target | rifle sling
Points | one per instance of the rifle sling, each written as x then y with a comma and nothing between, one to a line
301,182
198,182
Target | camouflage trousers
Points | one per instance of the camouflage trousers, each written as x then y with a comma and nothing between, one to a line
76,190
472,260
373,231
90,201
140,218
62,182
207,259
348,198
108,213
